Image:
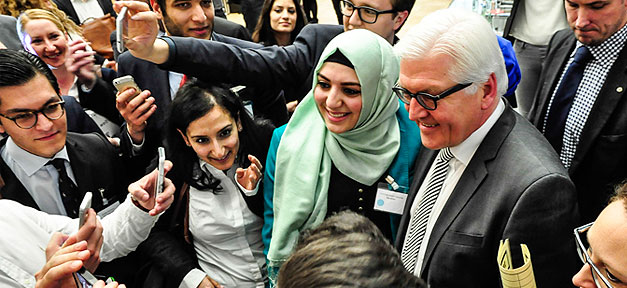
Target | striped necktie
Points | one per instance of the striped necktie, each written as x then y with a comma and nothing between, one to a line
420,215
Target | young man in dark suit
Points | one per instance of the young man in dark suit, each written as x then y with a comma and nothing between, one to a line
44,166
495,176
588,126
34,119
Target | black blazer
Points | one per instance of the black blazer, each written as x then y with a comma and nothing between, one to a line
95,163
66,6
514,187
599,161
289,68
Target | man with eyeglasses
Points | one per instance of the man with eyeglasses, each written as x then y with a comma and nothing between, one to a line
483,172
41,164
601,246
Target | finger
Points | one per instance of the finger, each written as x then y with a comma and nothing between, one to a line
255,161
85,232
142,109
214,282
58,272
55,243
145,16
167,166
123,96
134,6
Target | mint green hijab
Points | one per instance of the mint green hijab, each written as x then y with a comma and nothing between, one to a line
307,149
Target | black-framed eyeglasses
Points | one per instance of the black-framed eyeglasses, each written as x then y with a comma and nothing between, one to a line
426,100
366,14
28,119
581,240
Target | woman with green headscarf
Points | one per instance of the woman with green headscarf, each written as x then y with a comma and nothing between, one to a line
348,135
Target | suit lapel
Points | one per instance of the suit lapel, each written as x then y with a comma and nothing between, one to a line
554,69
79,164
604,105
470,180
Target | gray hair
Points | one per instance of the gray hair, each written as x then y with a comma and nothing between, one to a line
463,35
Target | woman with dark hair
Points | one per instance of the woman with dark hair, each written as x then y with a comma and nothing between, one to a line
280,22
213,235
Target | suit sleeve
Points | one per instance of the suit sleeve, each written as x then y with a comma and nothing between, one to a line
543,218
101,98
266,67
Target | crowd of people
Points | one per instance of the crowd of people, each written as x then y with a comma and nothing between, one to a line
312,155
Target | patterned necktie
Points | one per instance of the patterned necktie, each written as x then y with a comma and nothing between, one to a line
563,99
420,215
67,188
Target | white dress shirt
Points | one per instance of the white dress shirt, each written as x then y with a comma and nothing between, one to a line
40,180
86,9
227,235
26,232
462,154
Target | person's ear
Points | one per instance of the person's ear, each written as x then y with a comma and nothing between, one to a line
155,7
239,125
184,138
490,92
400,18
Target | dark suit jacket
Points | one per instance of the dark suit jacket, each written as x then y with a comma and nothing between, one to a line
77,120
599,161
66,6
289,67
8,35
514,187
231,29
96,165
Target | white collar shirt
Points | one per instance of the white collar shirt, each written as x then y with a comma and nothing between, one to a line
227,235
86,9
40,180
462,155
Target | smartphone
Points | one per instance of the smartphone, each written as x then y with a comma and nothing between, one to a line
119,29
82,210
126,82
160,168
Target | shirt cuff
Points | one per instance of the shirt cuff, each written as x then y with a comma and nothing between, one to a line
192,279
246,191
136,148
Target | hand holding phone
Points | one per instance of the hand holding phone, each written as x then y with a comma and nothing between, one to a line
82,210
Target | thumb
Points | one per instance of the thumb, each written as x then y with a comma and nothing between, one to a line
240,172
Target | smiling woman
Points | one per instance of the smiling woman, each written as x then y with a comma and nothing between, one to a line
217,150
343,140
280,22
72,63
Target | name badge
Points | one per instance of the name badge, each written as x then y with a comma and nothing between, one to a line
389,201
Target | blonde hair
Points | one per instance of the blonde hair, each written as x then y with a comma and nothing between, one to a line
56,16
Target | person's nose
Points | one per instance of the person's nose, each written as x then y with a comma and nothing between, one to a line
48,45
43,123
583,18
415,110
334,100
217,150
285,14
198,13
583,278
354,19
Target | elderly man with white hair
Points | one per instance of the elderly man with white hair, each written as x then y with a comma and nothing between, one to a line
484,173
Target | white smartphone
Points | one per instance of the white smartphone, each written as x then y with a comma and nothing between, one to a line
82,210
119,29
126,82
160,168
